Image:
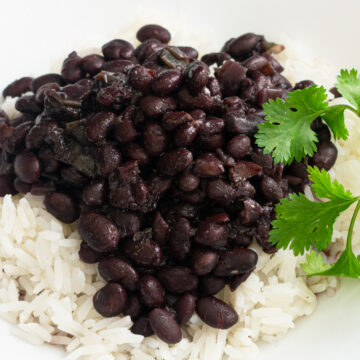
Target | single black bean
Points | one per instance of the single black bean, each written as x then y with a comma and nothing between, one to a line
156,106
177,279
325,155
27,167
38,82
18,87
230,76
196,76
214,87
153,31
211,125
303,84
190,52
323,133
271,189
115,269
19,186
108,158
211,142
110,300
72,70
235,262
94,193
118,49
211,285
212,231
202,100
99,232
179,242
165,326
43,91
208,165
118,66
133,307
243,45
256,62
166,82
142,327
140,78
238,280
148,48
244,170
266,94
128,223
6,185
218,58
155,139
251,211
216,313
62,206
27,104
151,291
92,64
239,146
174,162
264,160
88,255
187,181
185,308
144,252
160,229
98,125
238,123
174,119
203,261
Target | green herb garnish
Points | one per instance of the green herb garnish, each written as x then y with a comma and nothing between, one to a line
302,224
287,132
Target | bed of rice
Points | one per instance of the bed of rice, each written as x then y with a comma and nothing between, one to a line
47,291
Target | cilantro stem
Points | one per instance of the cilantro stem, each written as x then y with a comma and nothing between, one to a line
347,107
351,227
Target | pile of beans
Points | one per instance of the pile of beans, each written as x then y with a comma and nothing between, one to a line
156,159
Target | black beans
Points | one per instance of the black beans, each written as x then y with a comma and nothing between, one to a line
325,155
216,313
62,206
18,87
92,64
151,291
98,232
174,162
155,106
118,49
110,300
208,165
145,252
203,261
27,167
155,139
38,82
179,239
239,146
159,160
185,307
196,76
153,32
115,269
165,326
177,279
166,82
97,126
212,231
142,327
303,84
72,70
236,261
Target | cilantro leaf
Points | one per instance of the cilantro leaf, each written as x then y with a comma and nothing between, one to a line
335,119
302,223
349,86
286,131
315,264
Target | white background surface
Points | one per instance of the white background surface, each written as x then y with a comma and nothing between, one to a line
35,35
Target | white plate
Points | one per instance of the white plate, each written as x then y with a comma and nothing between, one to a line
36,35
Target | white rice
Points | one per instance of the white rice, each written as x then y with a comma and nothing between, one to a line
47,290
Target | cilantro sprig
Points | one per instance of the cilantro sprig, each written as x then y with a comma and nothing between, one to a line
304,224
287,133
